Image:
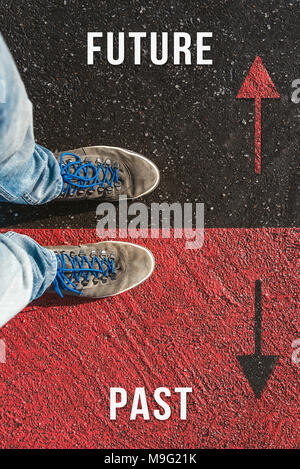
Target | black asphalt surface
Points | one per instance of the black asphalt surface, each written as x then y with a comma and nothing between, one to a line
185,118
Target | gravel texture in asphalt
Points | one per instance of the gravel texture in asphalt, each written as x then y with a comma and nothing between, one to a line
186,118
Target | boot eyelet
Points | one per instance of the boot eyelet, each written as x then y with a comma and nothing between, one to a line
84,283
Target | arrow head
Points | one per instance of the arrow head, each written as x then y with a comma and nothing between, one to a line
258,83
257,369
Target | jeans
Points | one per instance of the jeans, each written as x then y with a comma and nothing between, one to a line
27,270
29,174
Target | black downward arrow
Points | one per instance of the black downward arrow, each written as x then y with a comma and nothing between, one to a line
257,368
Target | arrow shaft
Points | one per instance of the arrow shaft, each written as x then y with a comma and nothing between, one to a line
258,135
257,326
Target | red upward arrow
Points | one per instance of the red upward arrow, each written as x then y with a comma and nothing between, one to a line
258,85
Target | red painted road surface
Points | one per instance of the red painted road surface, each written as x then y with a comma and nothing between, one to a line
183,327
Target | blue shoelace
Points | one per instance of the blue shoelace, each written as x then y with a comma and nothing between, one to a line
80,270
79,176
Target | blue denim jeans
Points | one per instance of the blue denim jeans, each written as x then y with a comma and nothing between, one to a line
29,174
27,270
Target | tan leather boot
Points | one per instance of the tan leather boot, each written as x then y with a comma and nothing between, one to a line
101,269
105,173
